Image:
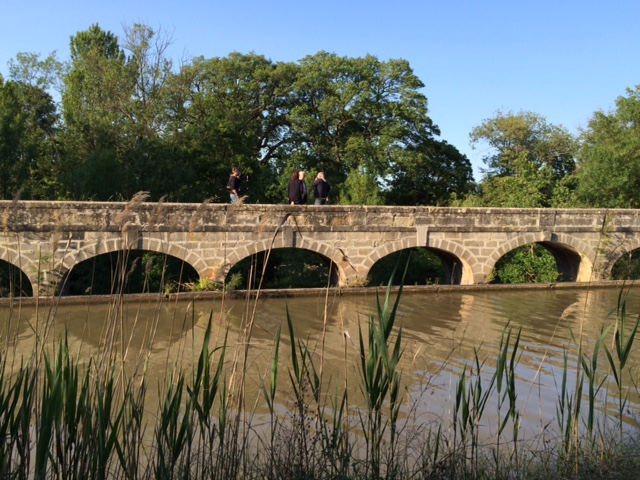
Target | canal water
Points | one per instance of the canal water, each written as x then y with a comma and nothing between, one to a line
442,334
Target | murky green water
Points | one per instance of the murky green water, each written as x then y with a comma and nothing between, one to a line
441,333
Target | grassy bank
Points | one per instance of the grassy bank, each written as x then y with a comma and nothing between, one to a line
99,415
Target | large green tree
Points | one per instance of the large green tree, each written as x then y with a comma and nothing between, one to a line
151,161
229,112
115,111
430,174
28,122
357,114
609,161
97,86
527,160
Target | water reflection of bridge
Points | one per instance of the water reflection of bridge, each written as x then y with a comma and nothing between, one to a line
47,239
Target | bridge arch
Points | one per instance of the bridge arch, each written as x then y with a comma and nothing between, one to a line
30,271
574,258
102,247
456,260
334,255
623,249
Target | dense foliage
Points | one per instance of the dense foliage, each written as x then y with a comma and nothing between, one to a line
528,264
119,117
128,120
609,163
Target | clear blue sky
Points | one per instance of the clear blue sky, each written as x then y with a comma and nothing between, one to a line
561,59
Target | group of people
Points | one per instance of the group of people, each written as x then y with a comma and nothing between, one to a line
297,191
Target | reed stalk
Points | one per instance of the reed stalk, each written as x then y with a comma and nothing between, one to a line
380,376
62,418
622,345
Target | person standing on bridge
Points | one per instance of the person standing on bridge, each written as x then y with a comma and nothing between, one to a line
233,185
304,187
295,189
320,189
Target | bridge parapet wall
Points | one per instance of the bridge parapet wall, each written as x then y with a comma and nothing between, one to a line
46,239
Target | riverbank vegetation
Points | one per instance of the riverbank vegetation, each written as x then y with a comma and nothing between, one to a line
95,414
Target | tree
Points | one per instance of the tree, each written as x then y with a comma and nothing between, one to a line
116,114
527,160
530,263
29,69
148,156
352,113
523,143
432,174
96,86
360,188
228,112
28,121
609,160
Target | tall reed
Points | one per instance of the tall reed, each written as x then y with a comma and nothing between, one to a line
622,342
380,376
93,418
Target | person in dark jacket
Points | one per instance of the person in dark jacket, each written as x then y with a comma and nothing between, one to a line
295,189
233,185
303,184
321,189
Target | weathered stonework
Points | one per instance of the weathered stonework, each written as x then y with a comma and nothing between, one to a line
47,239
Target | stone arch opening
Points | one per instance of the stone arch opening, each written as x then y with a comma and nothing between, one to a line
427,266
573,257
627,266
568,260
128,271
538,262
13,281
284,268
455,260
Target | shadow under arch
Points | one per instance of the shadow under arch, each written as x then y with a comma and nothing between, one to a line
572,257
13,281
424,266
128,271
337,258
119,245
625,266
283,267
455,260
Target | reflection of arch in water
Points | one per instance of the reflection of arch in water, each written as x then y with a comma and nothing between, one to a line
573,257
455,260
92,252
337,262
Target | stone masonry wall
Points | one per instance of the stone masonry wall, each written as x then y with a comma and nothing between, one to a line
46,239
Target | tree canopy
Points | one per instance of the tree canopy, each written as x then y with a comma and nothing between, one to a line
129,120
121,117
527,160
609,167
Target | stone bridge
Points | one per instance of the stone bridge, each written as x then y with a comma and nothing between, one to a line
47,239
